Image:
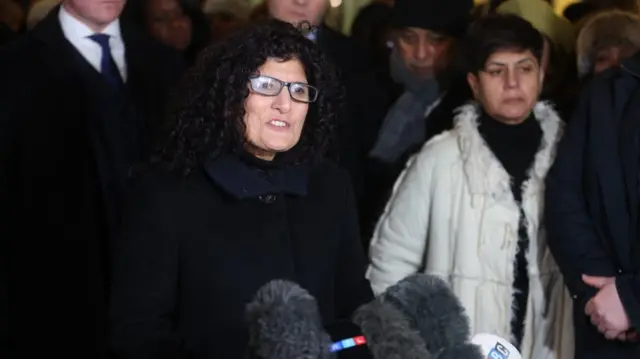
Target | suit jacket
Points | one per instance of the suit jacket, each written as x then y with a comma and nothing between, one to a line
366,102
592,202
55,122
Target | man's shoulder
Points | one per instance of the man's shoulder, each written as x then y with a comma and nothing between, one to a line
21,66
150,47
18,52
344,51
628,71
152,58
334,37
613,89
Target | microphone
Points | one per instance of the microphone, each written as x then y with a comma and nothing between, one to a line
495,347
349,342
395,324
284,323
435,312
388,332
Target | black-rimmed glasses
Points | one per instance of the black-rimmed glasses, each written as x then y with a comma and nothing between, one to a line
270,86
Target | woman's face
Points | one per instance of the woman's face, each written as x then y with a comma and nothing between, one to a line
274,123
168,23
509,85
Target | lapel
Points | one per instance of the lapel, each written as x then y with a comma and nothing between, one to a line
66,75
62,61
628,147
142,77
151,70
136,58
484,172
616,157
54,49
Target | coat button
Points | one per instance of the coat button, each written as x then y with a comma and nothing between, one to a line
620,271
267,198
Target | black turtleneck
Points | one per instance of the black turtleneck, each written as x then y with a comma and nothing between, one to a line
515,146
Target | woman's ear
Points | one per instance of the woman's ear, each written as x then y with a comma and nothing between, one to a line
474,84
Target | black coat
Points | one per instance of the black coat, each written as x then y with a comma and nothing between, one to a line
195,250
367,102
59,124
6,34
592,202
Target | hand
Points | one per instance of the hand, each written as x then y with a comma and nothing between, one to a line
606,310
629,336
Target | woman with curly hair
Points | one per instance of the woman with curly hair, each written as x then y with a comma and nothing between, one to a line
242,193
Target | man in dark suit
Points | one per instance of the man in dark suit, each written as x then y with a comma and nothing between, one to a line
592,215
80,96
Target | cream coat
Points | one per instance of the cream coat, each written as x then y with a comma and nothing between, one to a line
452,214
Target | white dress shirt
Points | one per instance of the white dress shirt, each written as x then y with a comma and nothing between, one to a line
78,35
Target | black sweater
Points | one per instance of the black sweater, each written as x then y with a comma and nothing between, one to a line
194,251
515,146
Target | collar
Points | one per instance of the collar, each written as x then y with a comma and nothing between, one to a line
76,30
478,158
243,180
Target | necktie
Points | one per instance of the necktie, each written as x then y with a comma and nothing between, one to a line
108,67
312,35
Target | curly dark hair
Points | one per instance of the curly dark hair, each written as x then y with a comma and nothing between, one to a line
207,115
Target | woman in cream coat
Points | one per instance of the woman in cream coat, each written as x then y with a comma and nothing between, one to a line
469,205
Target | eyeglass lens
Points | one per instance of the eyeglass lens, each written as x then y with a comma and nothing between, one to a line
270,86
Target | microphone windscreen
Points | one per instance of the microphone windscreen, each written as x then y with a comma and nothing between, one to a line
284,323
389,333
462,351
495,347
433,309
348,341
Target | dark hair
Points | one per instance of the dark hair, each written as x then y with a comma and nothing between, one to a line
370,30
496,32
207,116
136,12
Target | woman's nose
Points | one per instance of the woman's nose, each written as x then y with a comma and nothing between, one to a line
422,51
512,79
282,101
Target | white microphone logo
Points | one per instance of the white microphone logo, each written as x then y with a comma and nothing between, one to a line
495,347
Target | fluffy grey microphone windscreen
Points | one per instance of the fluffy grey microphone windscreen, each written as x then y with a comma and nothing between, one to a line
461,351
285,323
433,309
388,333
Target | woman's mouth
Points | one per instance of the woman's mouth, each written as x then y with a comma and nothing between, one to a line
278,123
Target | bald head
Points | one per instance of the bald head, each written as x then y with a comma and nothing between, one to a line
297,11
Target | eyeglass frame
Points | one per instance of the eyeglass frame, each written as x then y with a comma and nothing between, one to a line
283,85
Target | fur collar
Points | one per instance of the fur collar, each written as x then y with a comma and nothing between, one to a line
485,174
